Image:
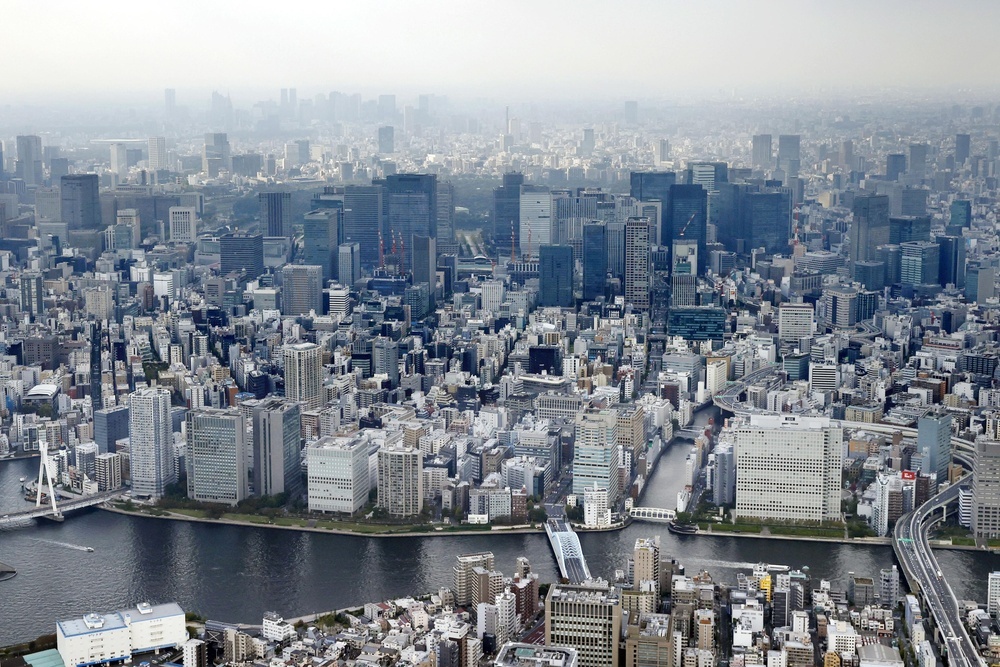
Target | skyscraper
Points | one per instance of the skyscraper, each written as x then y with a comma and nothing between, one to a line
870,227
276,447
963,148
183,224
81,206
789,468
586,618
595,260
424,267
537,218
683,273
951,259
110,425
789,152
637,263
934,442
918,159
216,456
445,211
688,219
349,264
595,458
654,186
304,374
555,267
507,214
386,144
760,151
400,480
960,215
322,232
412,208
276,213
364,220
151,459
767,219
302,289
28,166
242,252
215,154
986,490
157,149
920,263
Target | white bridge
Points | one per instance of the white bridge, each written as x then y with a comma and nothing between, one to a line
45,512
567,550
652,514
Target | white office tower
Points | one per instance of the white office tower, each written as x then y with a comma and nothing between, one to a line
400,480
304,374
788,467
492,295
795,321
183,224
216,456
993,594
340,302
538,219
277,426
130,218
157,147
646,563
338,477
151,458
595,459
637,263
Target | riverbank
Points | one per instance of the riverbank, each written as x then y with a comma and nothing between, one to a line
863,541
381,531
20,456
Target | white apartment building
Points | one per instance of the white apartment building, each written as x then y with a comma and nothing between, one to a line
337,474
400,480
151,464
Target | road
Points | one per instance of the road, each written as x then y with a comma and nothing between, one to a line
914,552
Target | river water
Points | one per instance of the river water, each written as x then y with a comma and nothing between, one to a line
236,573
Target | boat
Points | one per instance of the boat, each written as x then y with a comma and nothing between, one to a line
777,568
682,528
90,549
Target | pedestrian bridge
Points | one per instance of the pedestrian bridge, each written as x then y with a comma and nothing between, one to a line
46,512
652,514
567,550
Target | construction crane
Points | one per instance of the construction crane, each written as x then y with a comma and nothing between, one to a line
686,224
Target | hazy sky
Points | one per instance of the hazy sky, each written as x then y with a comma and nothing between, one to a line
639,48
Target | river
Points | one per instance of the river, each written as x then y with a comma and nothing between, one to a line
236,573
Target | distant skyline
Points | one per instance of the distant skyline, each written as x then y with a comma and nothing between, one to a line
517,48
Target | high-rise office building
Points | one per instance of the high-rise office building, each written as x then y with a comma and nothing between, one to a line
646,563
81,204
337,474
760,151
789,151
986,490
507,214
151,457
960,213
637,232
595,260
400,480
870,227
683,273
276,447
216,456
364,221
302,289
304,374
846,156
386,143
110,426
918,159
905,228
424,267
767,218
934,443
795,321
951,257
242,253
215,155
183,224
411,209
920,263
349,264
595,458
385,358
276,213
537,217
445,211
963,148
587,618
555,267
322,232
647,186
789,468
156,147
688,219
28,166
32,293
895,166
980,282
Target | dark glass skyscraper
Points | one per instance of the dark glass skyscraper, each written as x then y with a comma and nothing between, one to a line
767,220
652,186
951,268
507,214
688,218
242,252
555,267
322,233
364,219
81,204
412,208
595,259
870,228
963,148
276,213
895,165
